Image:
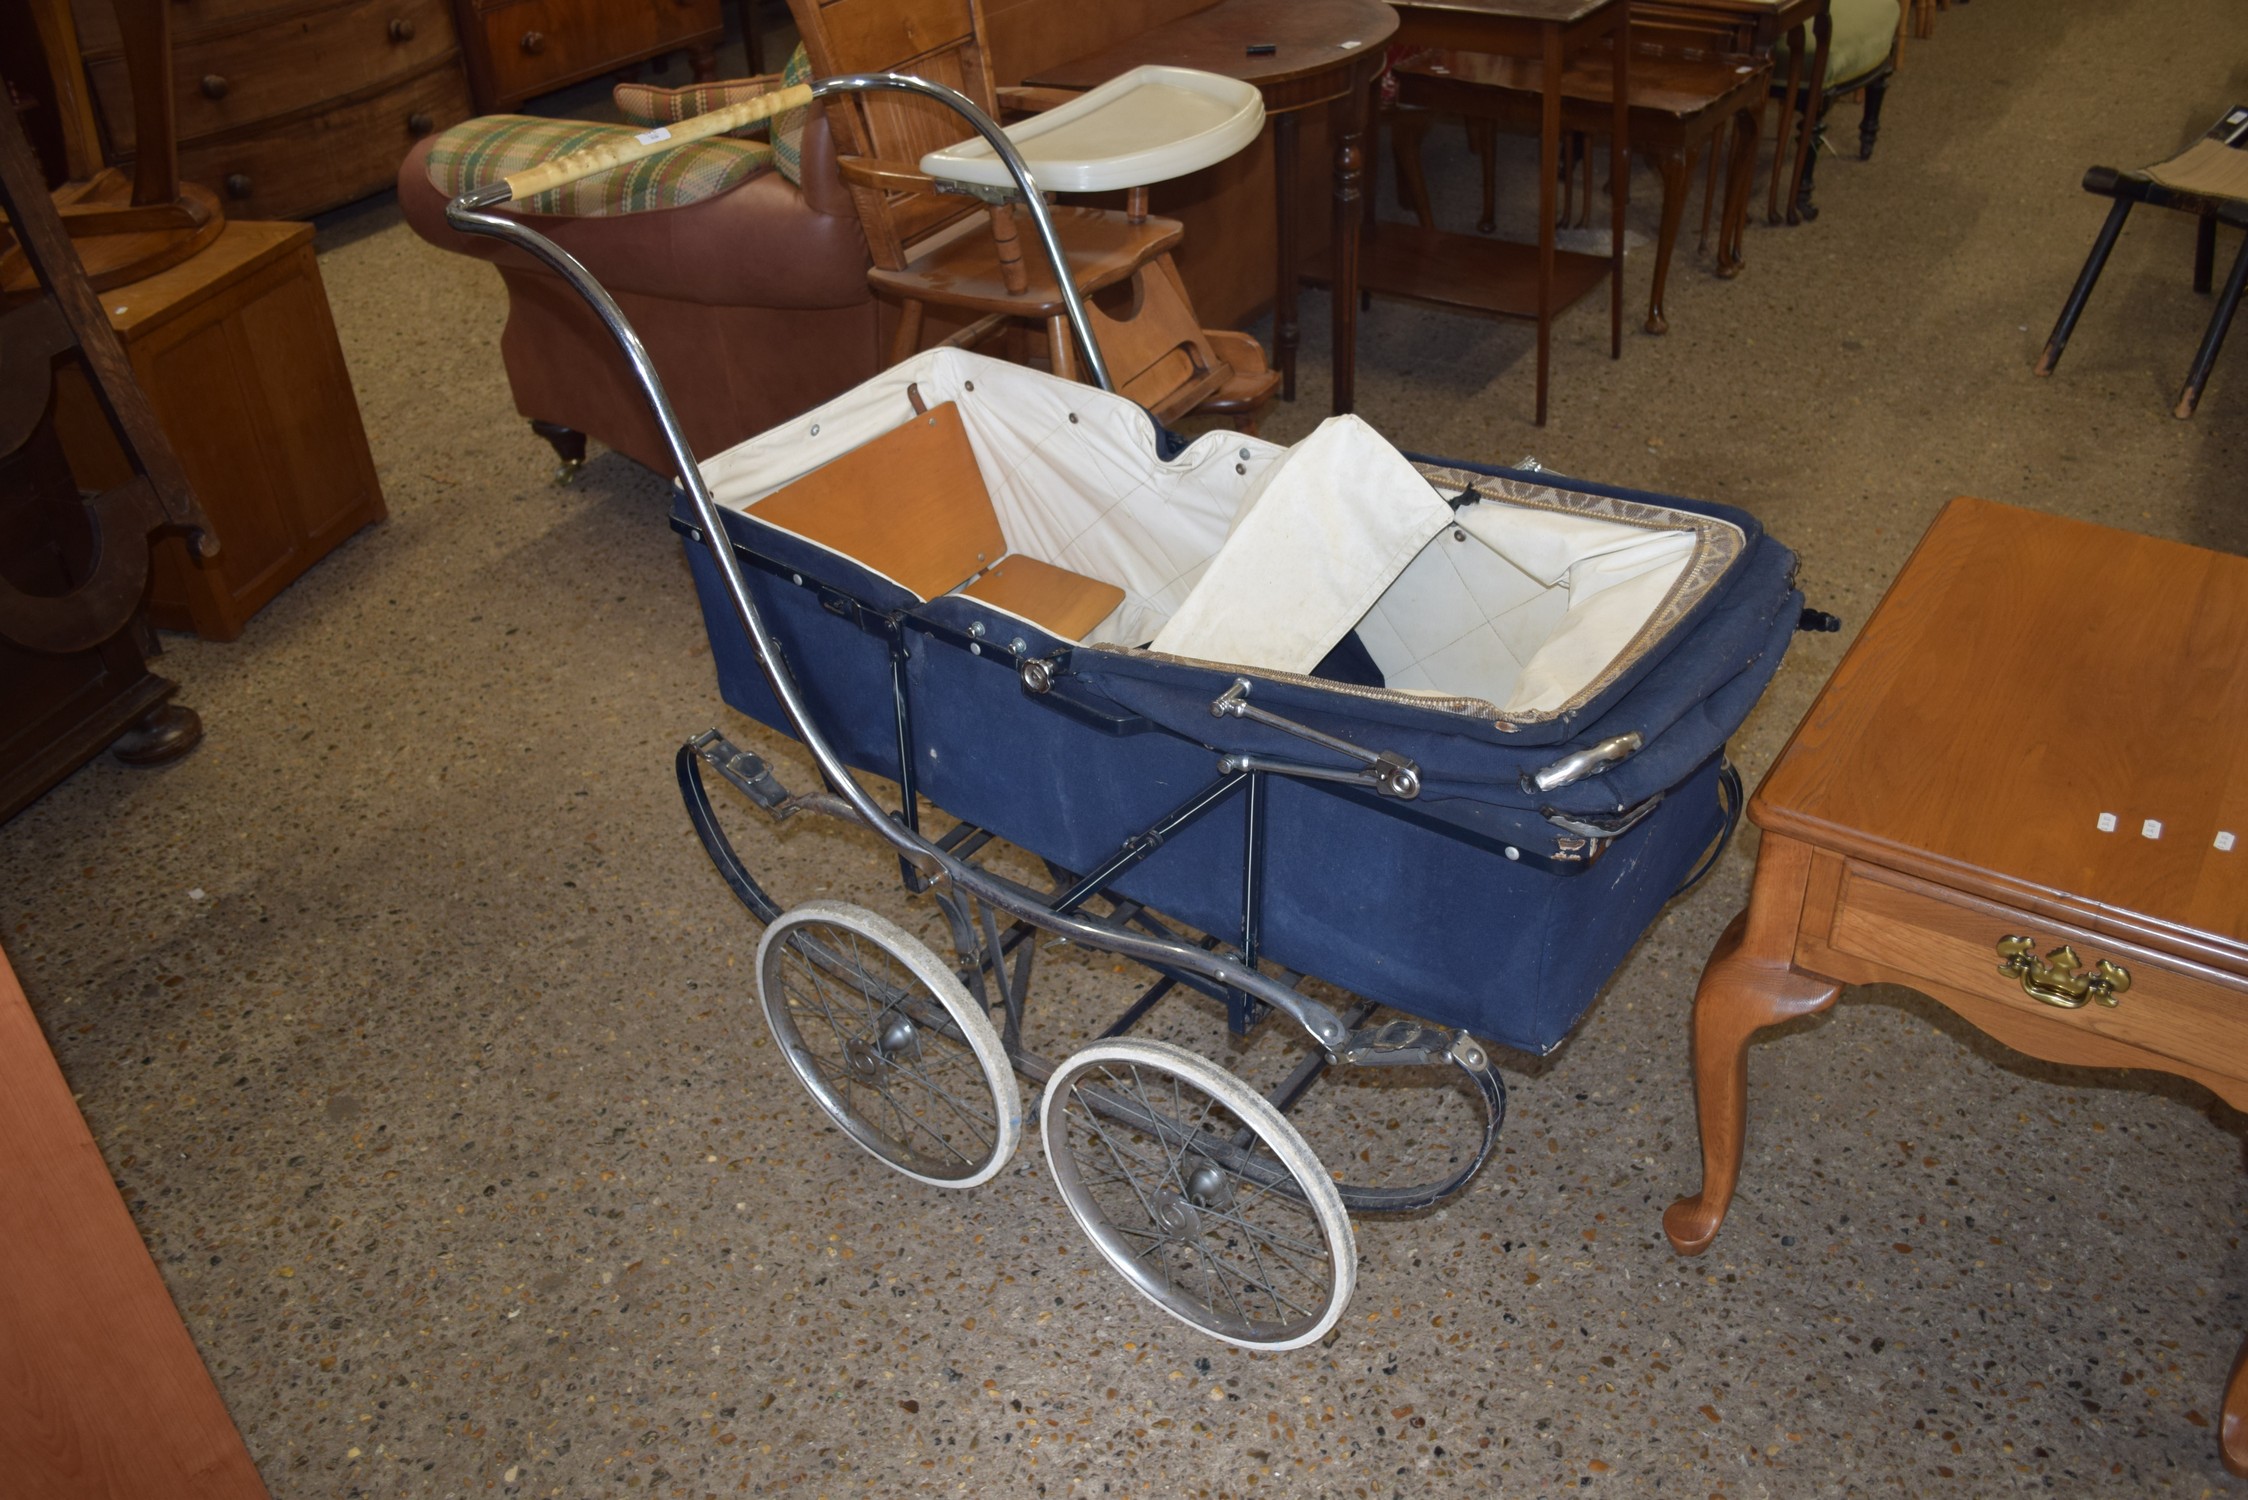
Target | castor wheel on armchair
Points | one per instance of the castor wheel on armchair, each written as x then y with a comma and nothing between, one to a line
568,444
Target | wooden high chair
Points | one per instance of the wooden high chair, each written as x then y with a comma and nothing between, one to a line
933,249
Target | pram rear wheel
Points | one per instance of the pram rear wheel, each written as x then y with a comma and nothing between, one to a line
1199,1193
888,1042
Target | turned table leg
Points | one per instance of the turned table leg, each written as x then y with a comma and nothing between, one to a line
1749,984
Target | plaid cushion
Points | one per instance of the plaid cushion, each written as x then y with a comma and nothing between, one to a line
644,104
788,129
484,150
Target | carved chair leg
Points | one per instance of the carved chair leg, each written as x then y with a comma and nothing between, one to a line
568,444
1869,123
1750,983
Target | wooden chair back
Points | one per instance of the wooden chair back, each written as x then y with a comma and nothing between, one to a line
937,40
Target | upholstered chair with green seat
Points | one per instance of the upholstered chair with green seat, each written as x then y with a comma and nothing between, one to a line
1861,56
739,260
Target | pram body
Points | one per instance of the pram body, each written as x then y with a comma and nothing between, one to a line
1442,735
1469,904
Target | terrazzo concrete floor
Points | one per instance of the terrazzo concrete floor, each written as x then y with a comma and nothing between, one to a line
422,1042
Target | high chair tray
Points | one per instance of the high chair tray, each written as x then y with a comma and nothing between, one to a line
1148,125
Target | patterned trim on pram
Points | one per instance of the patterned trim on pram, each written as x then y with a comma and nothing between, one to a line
1717,546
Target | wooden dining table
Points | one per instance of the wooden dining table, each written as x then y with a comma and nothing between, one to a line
1301,55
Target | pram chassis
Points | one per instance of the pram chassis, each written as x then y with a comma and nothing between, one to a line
1104,1083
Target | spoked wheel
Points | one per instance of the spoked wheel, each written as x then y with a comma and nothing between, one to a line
889,1043
1199,1193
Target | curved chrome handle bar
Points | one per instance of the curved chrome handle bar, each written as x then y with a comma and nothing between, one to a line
470,213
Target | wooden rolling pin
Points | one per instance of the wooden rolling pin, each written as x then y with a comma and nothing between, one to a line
548,175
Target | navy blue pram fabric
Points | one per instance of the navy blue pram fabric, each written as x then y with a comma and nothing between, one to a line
1448,907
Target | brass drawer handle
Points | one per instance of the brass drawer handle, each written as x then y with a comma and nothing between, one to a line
2057,978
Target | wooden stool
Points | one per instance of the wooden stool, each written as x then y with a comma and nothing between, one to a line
1680,101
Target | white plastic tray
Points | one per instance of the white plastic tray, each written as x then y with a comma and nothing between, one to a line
1148,125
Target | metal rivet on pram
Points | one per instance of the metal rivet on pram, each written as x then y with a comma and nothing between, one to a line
1093,756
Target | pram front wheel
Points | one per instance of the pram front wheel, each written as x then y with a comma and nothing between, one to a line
1199,1193
888,1042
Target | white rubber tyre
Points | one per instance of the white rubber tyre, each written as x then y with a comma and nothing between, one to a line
859,1008
1245,1261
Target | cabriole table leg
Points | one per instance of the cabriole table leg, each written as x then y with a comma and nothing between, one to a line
1750,983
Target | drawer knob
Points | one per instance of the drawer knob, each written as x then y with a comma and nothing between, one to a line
420,122
2059,978
401,30
237,185
534,42
214,86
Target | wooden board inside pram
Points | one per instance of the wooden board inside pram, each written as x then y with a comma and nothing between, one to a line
912,505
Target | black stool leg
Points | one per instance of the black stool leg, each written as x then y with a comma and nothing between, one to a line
2093,265
2214,339
2204,251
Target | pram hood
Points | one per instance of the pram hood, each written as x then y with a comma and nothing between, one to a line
1594,612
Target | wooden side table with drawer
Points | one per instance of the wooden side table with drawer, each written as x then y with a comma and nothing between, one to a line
1941,820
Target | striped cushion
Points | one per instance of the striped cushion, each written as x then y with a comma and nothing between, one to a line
645,104
484,150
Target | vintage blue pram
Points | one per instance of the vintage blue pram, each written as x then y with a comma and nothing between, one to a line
1443,736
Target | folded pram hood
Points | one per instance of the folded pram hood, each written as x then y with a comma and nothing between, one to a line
1512,609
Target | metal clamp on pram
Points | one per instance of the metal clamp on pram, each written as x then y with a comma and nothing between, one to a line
1010,596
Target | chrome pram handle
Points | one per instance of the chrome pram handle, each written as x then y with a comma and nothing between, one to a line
471,213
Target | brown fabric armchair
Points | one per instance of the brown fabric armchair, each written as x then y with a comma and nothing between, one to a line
753,303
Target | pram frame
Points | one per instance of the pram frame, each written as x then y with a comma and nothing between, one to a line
947,867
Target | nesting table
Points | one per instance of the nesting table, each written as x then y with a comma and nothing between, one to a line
1757,26
2020,795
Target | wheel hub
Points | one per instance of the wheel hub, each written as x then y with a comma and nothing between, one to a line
899,1038
1175,1216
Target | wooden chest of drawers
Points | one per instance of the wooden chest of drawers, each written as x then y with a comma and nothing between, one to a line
288,107
517,48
